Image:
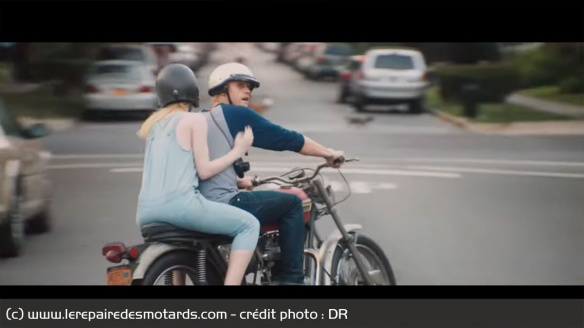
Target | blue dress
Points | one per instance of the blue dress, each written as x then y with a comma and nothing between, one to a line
170,194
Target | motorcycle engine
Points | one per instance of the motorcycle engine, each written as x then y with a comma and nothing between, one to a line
271,247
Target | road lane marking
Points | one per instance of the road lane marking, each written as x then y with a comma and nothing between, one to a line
332,171
300,159
43,154
357,187
411,170
126,170
374,128
361,187
94,156
486,161
91,165
501,172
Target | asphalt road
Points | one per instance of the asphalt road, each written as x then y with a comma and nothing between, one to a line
448,206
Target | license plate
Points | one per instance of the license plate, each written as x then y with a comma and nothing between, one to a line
119,92
119,275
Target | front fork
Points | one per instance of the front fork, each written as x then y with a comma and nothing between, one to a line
347,239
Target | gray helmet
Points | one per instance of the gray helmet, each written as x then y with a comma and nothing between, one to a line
177,83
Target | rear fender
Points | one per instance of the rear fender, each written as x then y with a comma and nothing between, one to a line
150,254
327,249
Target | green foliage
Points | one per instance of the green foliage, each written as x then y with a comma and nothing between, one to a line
572,85
551,64
495,81
68,71
493,112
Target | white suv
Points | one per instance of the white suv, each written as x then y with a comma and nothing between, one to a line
391,76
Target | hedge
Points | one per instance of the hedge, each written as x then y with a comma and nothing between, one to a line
495,81
70,72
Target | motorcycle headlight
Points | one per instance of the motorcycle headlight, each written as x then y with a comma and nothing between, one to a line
315,195
329,189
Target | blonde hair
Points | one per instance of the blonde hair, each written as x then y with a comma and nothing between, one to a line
144,130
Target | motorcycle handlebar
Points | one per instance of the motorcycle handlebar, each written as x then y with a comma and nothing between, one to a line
257,181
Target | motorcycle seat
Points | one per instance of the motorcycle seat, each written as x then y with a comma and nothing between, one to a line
164,232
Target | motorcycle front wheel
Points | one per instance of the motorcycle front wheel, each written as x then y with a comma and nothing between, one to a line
180,268
344,271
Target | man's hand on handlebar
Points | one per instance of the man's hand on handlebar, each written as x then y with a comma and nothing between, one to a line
333,161
302,178
245,183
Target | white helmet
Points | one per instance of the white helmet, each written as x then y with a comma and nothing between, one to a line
230,72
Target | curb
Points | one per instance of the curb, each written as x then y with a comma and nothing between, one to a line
547,106
457,121
549,128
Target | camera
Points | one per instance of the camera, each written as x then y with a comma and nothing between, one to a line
241,167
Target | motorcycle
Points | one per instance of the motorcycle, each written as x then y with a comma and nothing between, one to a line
169,255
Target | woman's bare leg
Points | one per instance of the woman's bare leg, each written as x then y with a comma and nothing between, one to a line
238,263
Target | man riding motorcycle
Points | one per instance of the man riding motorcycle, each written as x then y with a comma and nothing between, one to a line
230,86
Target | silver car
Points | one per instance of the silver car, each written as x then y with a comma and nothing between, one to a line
134,52
25,188
120,85
391,76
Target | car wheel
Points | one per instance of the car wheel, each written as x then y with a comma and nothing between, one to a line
342,99
359,103
12,233
416,106
41,223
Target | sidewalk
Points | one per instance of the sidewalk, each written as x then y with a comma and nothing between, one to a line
575,127
547,106
54,124
18,87
568,127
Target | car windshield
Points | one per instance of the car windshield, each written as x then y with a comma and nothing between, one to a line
132,71
394,61
121,53
339,50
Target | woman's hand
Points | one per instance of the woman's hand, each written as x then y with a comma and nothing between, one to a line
243,141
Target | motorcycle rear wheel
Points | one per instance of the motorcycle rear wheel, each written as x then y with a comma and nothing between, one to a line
180,260
372,255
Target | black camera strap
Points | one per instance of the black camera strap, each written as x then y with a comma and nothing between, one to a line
237,165
220,129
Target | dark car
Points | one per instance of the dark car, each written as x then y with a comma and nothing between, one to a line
328,58
345,74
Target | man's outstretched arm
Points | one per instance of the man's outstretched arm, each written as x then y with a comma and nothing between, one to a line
271,136
313,148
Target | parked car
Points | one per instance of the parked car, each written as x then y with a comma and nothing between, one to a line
174,52
391,76
345,75
327,59
292,53
306,55
25,189
271,47
134,52
186,53
120,85
281,51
